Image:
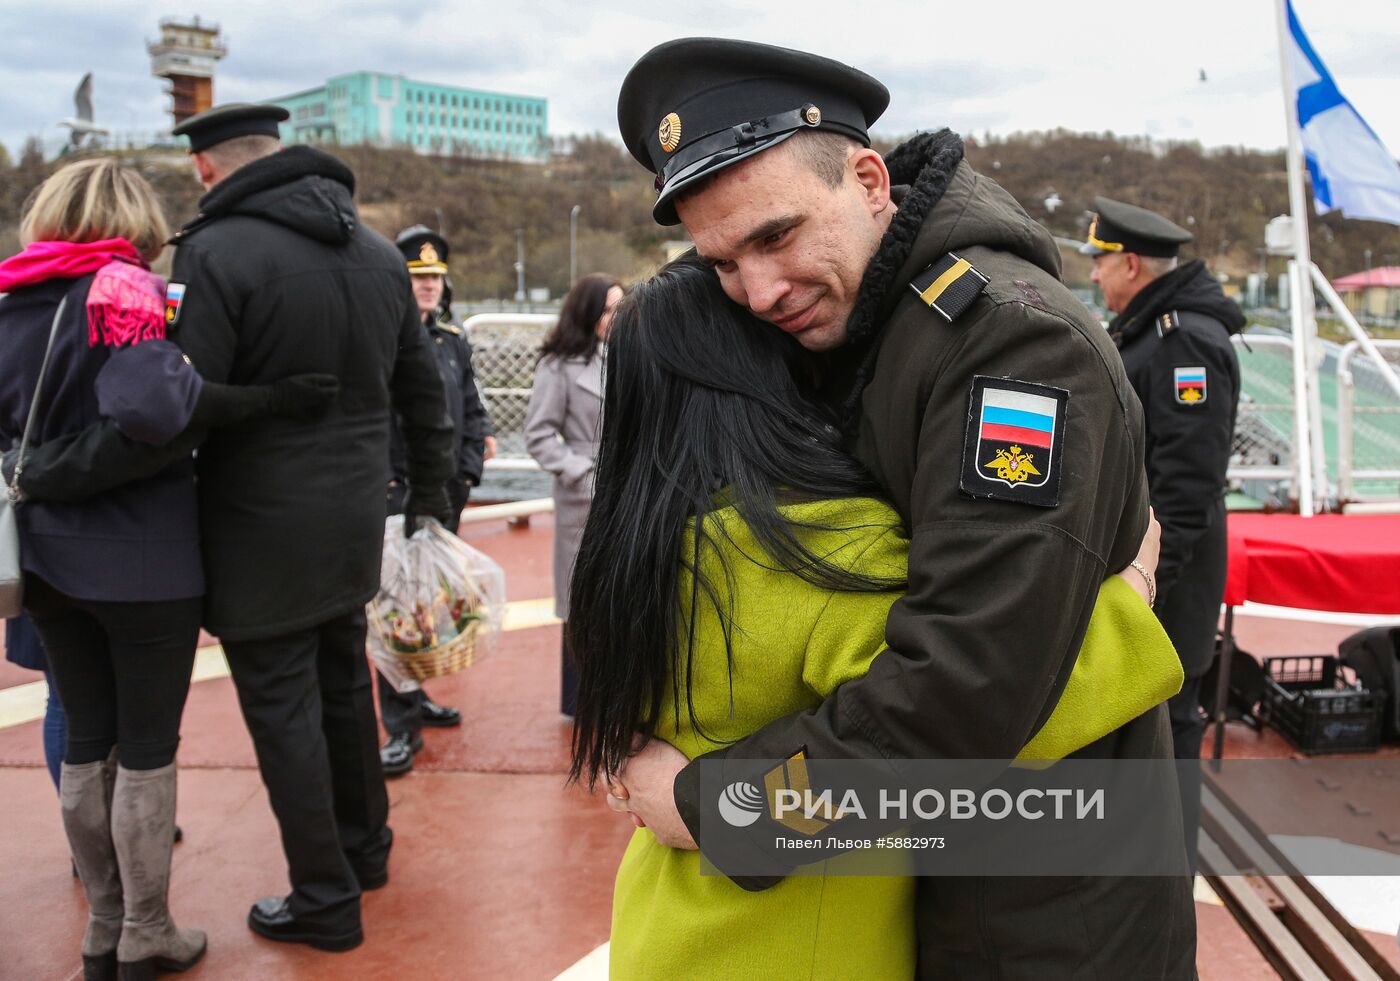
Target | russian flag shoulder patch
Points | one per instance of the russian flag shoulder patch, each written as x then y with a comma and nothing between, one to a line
174,297
1190,385
1014,444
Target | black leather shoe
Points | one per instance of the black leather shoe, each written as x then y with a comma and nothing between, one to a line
397,753
271,918
434,714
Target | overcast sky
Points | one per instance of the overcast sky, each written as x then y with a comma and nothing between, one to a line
992,66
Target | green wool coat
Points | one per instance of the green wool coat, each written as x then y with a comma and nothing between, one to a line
793,645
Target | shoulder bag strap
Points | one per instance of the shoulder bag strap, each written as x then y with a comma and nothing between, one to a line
34,405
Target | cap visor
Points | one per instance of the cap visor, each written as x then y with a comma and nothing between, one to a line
664,211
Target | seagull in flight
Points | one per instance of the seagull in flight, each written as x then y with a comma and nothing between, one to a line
81,125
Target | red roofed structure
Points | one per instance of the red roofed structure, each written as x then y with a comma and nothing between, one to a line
1375,292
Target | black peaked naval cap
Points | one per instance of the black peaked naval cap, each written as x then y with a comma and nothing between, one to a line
694,106
226,122
424,250
1119,227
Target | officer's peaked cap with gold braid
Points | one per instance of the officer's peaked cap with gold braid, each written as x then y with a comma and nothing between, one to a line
424,249
694,106
1119,227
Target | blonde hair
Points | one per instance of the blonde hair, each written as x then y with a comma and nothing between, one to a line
92,200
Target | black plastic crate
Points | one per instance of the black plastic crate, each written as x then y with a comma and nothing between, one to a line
1308,700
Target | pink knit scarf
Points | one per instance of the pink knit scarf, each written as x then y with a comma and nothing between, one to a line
126,303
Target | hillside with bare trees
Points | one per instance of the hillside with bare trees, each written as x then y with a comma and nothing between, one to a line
1224,196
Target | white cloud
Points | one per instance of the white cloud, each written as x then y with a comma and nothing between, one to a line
1003,66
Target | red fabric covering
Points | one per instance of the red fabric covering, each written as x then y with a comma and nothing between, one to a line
1334,562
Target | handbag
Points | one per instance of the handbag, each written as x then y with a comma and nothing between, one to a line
11,574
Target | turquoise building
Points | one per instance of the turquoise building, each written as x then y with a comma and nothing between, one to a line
391,110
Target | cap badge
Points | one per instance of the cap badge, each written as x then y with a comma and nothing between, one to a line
812,115
669,132
427,253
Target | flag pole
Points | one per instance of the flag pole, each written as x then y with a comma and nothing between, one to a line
1307,447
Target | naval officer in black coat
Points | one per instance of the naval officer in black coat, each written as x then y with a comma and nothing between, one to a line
278,271
1173,328
425,252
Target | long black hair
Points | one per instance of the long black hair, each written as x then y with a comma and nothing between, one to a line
704,407
576,333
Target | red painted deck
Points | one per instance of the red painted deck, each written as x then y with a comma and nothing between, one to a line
498,870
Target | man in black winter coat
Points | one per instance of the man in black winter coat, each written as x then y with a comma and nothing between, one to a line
1173,328
278,276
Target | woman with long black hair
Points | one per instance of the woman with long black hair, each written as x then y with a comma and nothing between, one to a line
737,566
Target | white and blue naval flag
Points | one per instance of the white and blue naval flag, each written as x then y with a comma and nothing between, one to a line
1350,167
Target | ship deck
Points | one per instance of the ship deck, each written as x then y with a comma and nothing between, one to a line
499,870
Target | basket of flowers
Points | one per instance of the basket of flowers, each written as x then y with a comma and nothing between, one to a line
439,605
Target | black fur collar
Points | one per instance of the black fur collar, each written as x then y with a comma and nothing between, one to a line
925,164
272,171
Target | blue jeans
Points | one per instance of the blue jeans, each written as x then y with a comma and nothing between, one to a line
55,730
22,647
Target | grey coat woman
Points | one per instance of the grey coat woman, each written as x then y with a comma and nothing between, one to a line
561,433
561,429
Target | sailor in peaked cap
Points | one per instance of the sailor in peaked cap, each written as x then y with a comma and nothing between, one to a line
405,713
1172,326
933,305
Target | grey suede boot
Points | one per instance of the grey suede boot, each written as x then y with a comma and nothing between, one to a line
85,796
143,821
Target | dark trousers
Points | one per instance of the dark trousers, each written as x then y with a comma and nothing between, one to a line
122,671
306,701
1188,728
400,711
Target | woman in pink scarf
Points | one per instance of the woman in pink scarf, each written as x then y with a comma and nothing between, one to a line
114,584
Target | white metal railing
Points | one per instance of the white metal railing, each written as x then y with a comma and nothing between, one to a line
1365,391
505,347
1264,438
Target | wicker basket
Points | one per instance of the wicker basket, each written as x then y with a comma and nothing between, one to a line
444,659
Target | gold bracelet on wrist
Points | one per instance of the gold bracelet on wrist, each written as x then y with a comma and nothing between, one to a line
1147,578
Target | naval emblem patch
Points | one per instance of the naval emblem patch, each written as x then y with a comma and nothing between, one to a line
174,296
1190,385
1014,442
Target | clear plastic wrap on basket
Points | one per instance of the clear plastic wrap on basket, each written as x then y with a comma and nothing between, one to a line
440,605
